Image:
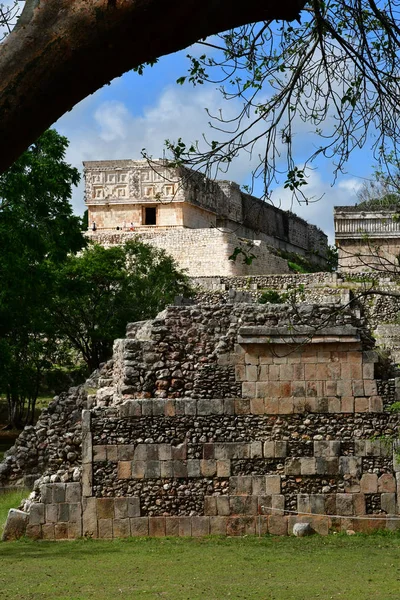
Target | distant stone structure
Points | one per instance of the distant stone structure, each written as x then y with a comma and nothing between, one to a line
198,221
367,238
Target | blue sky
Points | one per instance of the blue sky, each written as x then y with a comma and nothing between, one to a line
136,112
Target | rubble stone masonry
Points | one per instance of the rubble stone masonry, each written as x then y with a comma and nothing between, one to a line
237,419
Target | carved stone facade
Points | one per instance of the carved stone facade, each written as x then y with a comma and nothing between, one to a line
165,205
367,239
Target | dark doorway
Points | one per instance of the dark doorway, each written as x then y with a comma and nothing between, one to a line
150,215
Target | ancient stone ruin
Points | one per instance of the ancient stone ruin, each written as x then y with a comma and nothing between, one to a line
228,418
197,221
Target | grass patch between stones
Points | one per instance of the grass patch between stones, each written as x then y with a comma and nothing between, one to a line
271,568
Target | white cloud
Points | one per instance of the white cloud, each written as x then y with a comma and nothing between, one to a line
324,197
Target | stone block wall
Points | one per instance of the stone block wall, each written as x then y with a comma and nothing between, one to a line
241,420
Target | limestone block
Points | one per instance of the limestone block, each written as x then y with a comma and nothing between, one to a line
330,504
33,532
369,483
48,531
285,406
121,508
200,526
326,448
359,504
105,508
172,526
242,405
125,452
210,505
208,468
272,484
370,388
190,407
240,485
388,503
140,452
164,452
278,503
358,387
368,370
124,470
112,453
89,517
347,404
243,525
134,506
139,469
257,406
74,530
302,529
36,514
121,528
256,449
258,485
243,505
303,503
292,466
105,528
73,492
317,504
15,526
99,453
208,451
223,468
375,404
269,449
223,505
157,526
86,448
386,483
51,513
277,525
46,493
308,466
218,525
350,465
372,447
61,531
179,452
58,492
361,405
229,406
271,406
139,526
87,479
248,390
344,504
185,526
86,420
63,513
180,468
75,512
280,449
167,469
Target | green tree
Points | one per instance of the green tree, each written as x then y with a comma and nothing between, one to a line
100,290
37,231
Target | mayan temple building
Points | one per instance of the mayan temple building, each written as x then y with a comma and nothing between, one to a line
367,238
198,221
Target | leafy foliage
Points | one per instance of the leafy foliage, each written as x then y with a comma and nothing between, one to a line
99,291
37,228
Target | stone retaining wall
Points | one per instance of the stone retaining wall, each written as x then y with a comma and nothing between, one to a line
239,420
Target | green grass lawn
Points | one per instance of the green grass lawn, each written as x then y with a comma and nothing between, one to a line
340,567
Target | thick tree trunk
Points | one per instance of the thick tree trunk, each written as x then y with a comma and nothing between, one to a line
63,50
